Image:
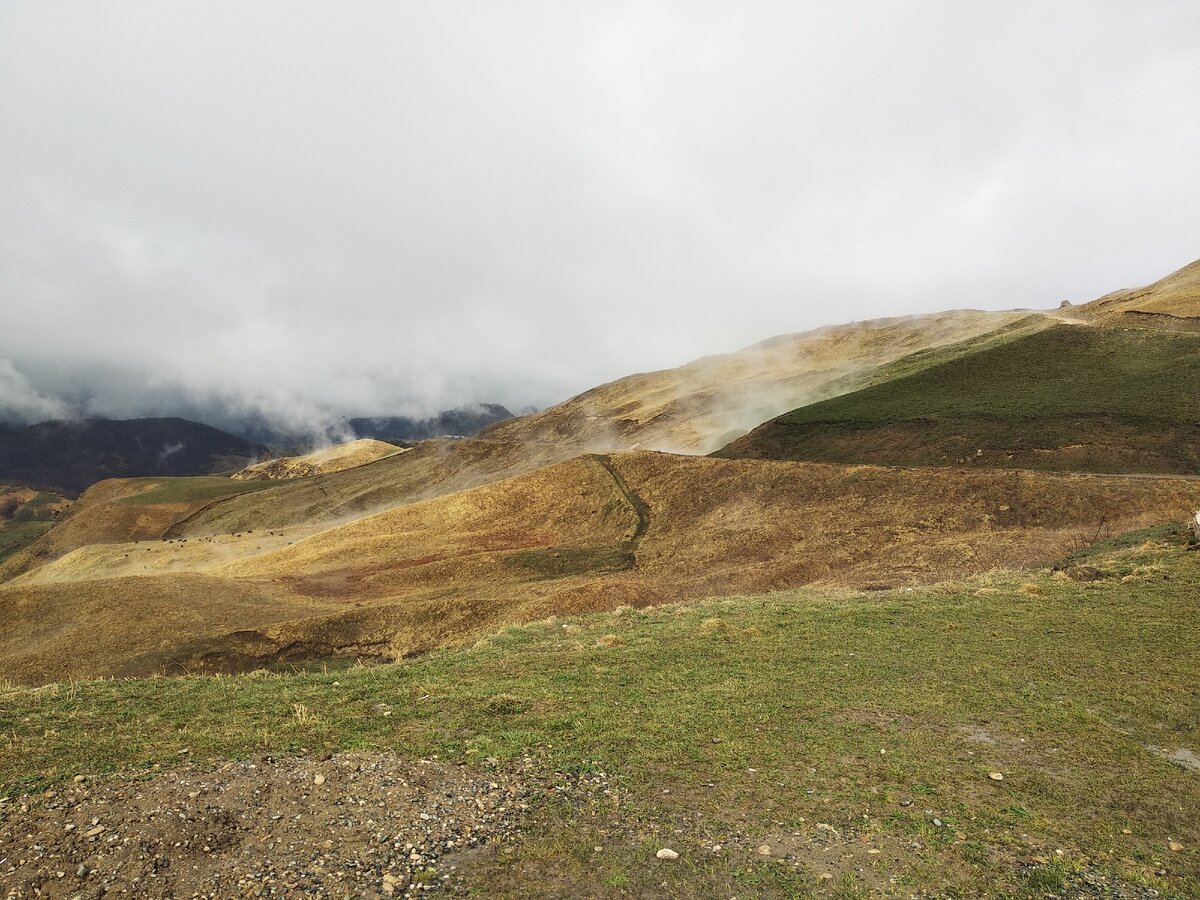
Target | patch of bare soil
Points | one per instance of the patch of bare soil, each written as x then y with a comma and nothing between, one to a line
355,824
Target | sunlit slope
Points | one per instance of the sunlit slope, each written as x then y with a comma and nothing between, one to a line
689,409
700,406
125,509
432,469
1171,303
1074,398
337,458
593,533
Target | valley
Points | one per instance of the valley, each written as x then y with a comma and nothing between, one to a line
840,577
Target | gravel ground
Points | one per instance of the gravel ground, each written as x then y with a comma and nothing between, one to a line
352,825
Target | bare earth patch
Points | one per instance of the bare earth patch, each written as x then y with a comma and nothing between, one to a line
354,824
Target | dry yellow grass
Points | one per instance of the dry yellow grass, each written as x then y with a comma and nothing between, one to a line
337,458
564,539
692,409
1172,302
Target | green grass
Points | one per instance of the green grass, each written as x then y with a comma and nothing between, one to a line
1129,395
761,715
195,489
31,520
14,537
563,562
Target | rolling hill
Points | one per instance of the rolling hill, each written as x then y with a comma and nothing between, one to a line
1067,398
592,533
336,458
71,455
1171,303
25,515
465,421
689,409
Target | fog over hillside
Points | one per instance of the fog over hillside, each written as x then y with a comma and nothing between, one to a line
290,212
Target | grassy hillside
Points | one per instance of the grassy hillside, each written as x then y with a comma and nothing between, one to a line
589,534
692,409
337,458
1068,398
1171,303
698,407
122,510
851,735
25,515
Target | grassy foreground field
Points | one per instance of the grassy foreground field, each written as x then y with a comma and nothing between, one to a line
806,734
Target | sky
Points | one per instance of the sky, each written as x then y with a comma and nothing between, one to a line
292,211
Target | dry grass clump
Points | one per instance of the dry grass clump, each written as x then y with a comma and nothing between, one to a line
713,624
1030,589
608,641
506,704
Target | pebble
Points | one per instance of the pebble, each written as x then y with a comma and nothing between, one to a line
996,776
667,853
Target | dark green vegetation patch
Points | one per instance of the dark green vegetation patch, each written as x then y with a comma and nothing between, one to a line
1069,398
22,523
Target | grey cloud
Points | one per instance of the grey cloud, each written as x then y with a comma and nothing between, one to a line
294,211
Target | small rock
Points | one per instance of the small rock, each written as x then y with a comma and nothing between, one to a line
667,853
78,778
93,832
996,776
764,850
1175,845
320,779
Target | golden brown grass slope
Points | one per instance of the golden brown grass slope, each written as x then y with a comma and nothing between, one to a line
337,458
691,409
703,405
120,510
1172,303
592,533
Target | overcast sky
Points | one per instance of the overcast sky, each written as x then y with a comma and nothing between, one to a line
305,209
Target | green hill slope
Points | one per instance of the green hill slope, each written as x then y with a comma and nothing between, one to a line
1070,397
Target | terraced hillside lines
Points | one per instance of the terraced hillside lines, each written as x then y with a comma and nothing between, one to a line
121,510
1172,303
556,541
1066,398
